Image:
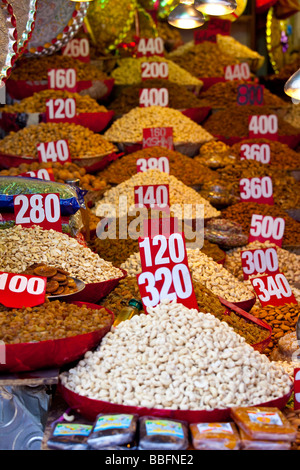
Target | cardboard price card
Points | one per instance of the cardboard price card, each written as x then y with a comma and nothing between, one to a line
263,127
249,94
150,46
62,79
42,174
155,196
78,48
153,163
165,272
22,290
273,290
266,228
56,151
259,261
38,209
152,70
61,110
237,72
158,137
257,189
260,152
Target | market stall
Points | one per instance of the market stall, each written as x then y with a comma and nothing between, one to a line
149,226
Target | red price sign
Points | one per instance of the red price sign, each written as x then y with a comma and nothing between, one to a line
296,388
61,110
22,290
56,151
259,261
237,72
152,70
257,189
250,95
263,126
42,174
163,226
273,290
165,272
150,46
154,196
62,79
78,48
153,97
158,137
153,163
266,227
38,209
259,152
210,30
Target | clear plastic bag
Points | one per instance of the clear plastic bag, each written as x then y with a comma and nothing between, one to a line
254,444
162,434
110,430
69,436
215,436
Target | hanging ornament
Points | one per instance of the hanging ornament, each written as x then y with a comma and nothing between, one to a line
9,37
25,14
278,35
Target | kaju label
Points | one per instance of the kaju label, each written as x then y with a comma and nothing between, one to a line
38,209
257,189
165,271
259,261
22,290
158,137
62,79
266,228
55,152
273,290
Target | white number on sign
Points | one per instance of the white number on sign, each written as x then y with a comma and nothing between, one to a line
39,211
264,124
153,196
150,46
153,163
61,108
267,227
154,70
54,151
154,97
277,286
62,78
77,48
260,261
256,188
176,249
260,153
18,283
237,72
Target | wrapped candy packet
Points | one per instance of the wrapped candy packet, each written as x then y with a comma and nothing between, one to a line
215,436
162,434
110,430
69,436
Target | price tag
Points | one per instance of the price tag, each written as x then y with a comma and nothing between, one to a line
154,196
38,209
62,79
61,110
78,48
266,227
56,151
210,30
162,226
257,189
250,95
273,290
259,261
150,46
153,163
296,388
263,126
165,272
158,137
153,97
42,174
151,70
237,72
22,290
259,152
